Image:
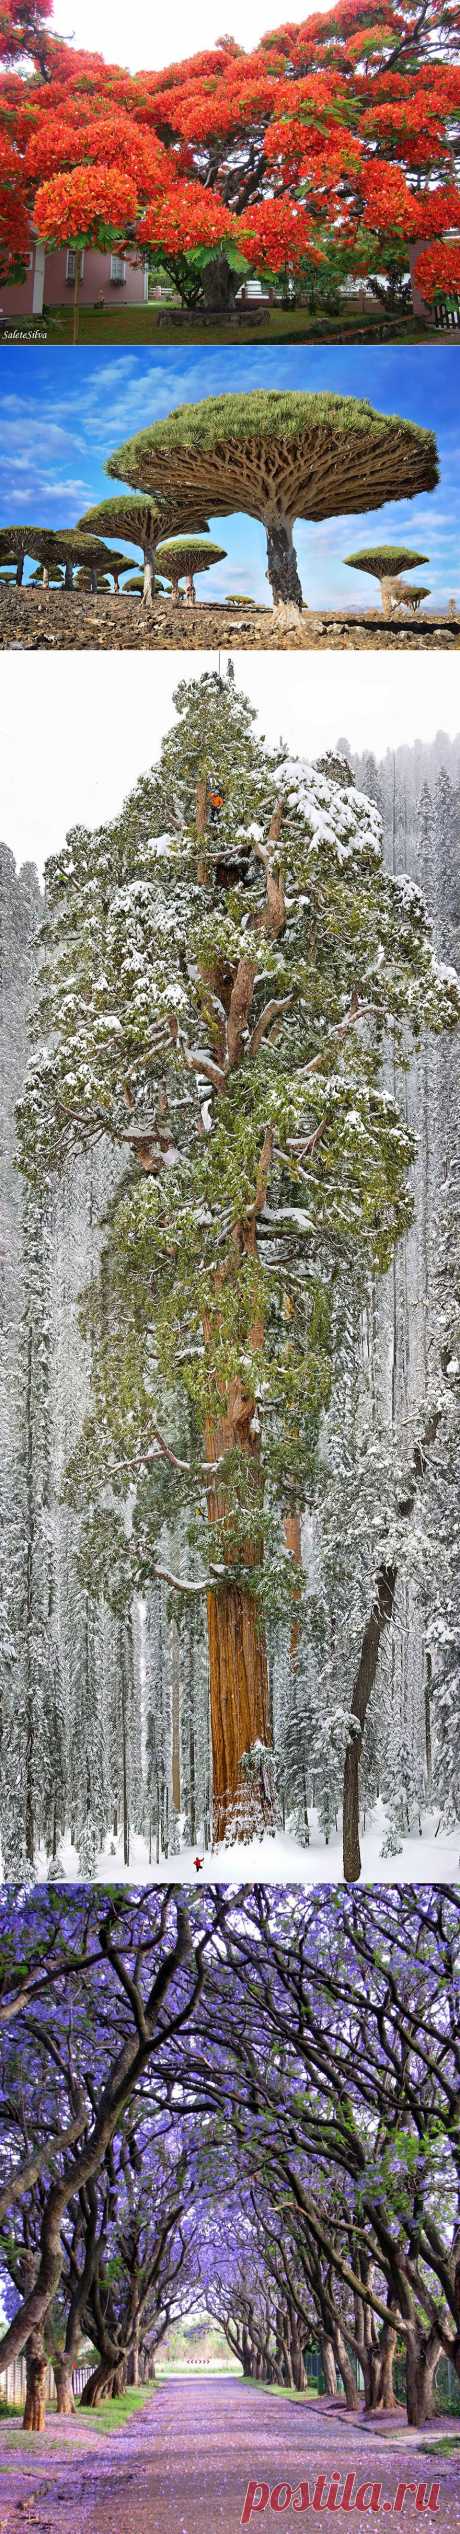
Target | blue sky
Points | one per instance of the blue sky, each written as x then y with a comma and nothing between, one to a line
61,412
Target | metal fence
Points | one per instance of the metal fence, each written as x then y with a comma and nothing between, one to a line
446,314
447,2385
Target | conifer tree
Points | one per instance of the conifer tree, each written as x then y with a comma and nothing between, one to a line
218,993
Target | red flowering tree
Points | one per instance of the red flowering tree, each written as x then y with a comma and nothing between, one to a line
23,30
335,140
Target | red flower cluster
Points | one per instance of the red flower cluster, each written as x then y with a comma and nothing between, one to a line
186,218
438,271
81,205
387,201
279,235
107,138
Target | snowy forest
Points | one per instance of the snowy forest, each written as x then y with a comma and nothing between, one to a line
250,2114
126,1658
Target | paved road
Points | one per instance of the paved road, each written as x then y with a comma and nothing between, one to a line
183,2465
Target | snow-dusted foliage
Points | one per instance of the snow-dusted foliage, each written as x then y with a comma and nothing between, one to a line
104,1665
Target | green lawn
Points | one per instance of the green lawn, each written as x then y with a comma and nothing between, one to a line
444,2446
282,325
110,2415
107,2417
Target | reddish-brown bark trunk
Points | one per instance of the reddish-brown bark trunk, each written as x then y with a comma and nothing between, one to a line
239,1698
238,1669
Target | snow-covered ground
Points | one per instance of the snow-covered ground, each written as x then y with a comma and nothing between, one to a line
432,1857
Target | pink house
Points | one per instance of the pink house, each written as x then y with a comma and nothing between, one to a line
49,282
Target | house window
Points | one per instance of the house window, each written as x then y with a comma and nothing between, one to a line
70,264
117,268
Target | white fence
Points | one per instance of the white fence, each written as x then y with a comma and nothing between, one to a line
13,2383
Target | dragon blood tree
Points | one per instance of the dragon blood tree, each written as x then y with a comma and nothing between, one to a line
217,1004
281,457
13,550
181,557
386,563
76,548
142,523
41,544
114,567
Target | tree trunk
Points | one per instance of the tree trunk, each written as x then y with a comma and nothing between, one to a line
98,2384
68,577
330,2370
31,1709
362,1692
93,582
352,2395
124,1744
190,591
20,571
46,577
219,283
239,1699
238,1671
387,2397
175,1720
148,592
421,2367
76,295
428,1743
36,2372
297,2362
62,2372
282,570
119,2380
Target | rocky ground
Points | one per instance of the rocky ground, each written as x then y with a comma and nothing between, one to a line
57,620
183,2464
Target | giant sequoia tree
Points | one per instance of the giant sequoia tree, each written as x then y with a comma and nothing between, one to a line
281,458
218,995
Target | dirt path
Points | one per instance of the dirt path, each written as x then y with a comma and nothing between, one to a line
31,620
183,2464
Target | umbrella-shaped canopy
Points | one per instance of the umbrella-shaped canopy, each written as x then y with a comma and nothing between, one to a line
281,456
144,522
181,557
